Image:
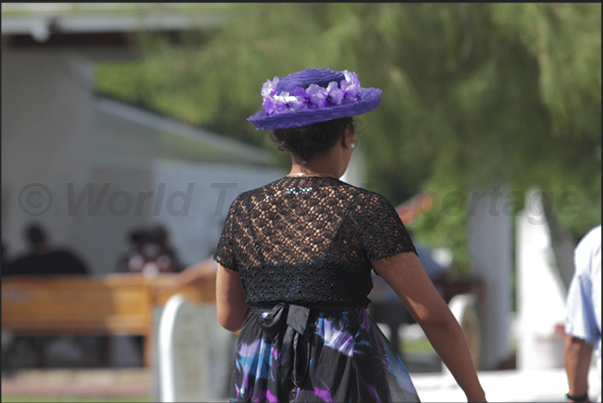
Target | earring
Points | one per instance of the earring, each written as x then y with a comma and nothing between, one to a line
353,145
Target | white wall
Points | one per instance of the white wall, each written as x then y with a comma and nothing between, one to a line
46,124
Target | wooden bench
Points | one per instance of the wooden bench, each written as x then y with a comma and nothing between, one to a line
116,304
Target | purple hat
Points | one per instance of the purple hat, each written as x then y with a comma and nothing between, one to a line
313,96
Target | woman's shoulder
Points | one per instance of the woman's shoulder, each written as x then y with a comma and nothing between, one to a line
366,197
247,195
362,195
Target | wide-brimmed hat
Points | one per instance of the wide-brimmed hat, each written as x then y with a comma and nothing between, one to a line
313,96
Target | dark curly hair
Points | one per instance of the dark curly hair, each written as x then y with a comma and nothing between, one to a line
309,142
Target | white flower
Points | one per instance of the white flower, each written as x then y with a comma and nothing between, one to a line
269,87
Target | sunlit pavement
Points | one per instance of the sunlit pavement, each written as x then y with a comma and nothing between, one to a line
500,386
78,382
549,385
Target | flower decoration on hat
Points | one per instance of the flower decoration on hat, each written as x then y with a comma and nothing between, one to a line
350,86
315,96
312,96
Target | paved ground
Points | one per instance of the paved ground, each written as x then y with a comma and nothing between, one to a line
500,386
503,386
78,382
432,383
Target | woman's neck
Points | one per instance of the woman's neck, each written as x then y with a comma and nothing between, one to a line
313,170
325,165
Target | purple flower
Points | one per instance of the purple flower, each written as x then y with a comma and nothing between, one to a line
296,104
334,94
269,87
285,103
317,95
303,96
268,91
351,77
269,106
351,87
348,91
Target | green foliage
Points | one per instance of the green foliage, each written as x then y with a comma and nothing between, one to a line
473,94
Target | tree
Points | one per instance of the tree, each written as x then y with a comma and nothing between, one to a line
473,94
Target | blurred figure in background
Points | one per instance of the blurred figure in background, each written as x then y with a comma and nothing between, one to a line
132,260
4,261
167,257
43,259
583,320
150,253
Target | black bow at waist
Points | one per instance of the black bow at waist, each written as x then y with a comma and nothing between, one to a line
295,350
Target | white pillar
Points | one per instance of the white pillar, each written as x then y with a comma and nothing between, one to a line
490,225
541,293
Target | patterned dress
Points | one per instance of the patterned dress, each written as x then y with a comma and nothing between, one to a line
303,247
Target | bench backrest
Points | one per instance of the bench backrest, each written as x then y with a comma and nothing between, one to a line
114,304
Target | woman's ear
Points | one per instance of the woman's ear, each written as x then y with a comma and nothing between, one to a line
348,138
344,139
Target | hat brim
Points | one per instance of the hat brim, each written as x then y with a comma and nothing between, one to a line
371,98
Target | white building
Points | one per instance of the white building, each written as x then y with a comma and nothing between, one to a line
62,142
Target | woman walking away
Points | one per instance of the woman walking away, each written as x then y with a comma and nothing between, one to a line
295,260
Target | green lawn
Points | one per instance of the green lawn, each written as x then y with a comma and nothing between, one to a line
421,346
72,399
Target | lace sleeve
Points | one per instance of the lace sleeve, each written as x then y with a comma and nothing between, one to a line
224,253
383,233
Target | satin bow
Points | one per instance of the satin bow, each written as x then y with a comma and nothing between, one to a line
295,356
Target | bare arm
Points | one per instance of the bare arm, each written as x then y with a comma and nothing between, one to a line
201,270
577,355
230,299
405,274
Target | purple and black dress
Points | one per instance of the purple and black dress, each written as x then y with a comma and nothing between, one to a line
303,247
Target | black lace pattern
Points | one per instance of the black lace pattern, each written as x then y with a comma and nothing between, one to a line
309,240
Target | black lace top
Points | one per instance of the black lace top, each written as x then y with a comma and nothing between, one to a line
309,240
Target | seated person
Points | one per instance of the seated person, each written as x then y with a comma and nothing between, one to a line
4,262
150,253
43,259
137,238
158,234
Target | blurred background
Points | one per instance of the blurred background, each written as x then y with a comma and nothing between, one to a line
125,139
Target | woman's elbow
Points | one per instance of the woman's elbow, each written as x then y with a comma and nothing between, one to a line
230,325
231,322
441,317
